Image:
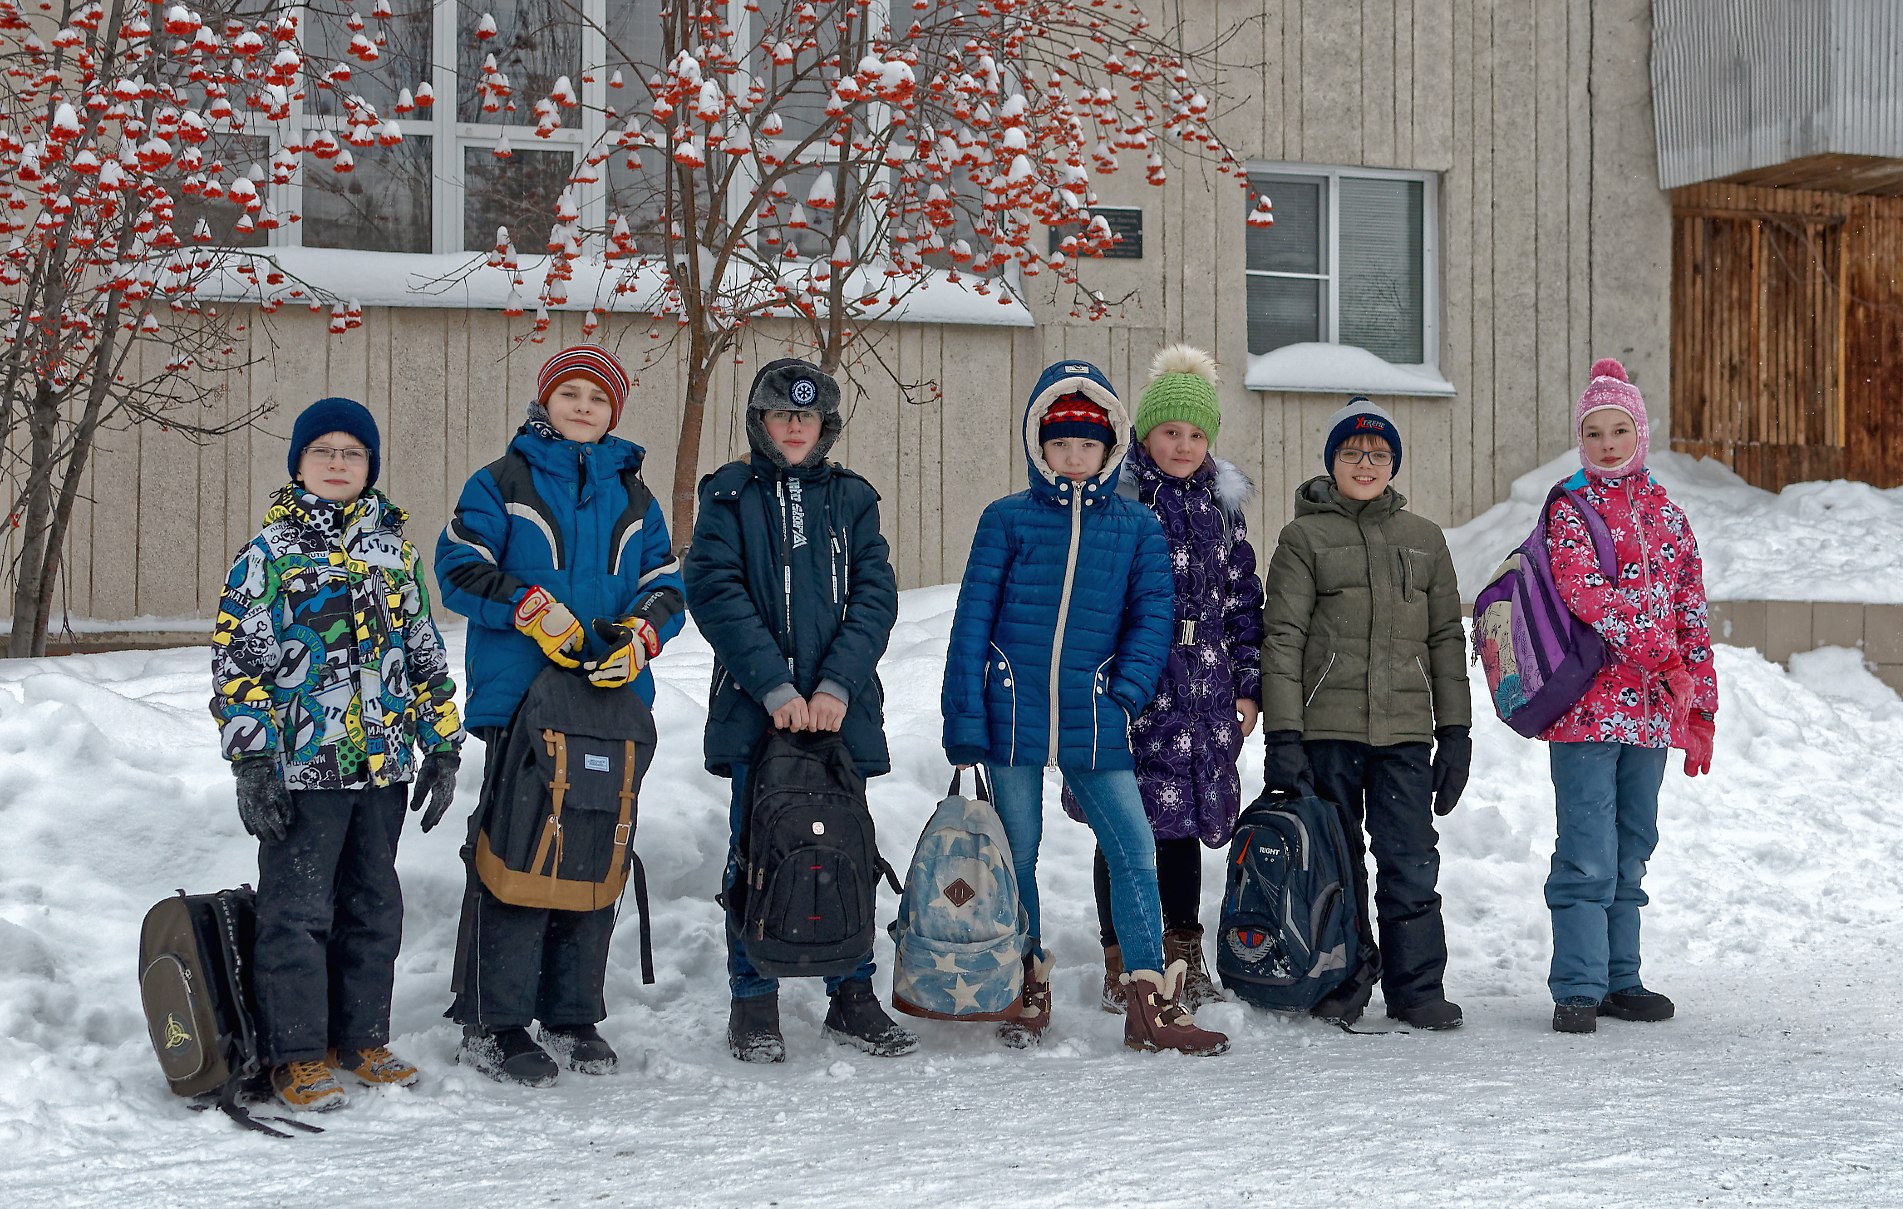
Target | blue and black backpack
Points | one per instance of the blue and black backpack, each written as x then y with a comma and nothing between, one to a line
1287,939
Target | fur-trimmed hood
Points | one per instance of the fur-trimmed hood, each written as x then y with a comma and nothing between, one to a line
1057,380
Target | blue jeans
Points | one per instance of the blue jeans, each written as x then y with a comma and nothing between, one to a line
743,981
1114,809
1607,795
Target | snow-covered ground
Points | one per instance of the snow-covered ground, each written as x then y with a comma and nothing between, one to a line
1778,889
1836,541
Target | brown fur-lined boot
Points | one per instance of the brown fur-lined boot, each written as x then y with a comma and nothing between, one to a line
1186,946
1113,979
1157,1021
1026,1029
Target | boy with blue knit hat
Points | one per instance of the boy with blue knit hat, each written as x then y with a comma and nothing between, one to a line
1364,700
327,672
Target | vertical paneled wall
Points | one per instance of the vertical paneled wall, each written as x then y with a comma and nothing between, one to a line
1554,249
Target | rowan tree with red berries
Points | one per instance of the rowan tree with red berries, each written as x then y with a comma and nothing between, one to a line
123,229
819,161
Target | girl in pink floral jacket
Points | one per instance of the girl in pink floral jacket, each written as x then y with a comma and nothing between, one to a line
1657,690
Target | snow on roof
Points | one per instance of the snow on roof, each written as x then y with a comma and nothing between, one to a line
1339,368
1820,541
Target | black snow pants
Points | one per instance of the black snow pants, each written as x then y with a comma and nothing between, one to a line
1385,799
330,921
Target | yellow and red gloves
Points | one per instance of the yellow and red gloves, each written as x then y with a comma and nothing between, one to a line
547,622
633,642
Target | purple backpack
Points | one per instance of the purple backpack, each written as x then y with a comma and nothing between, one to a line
1538,657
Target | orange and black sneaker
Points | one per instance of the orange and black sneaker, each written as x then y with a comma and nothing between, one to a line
376,1067
307,1086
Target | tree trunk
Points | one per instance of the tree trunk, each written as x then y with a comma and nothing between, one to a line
29,617
680,520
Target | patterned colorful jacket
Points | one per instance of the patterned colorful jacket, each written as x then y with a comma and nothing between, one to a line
1656,610
1187,741
324,655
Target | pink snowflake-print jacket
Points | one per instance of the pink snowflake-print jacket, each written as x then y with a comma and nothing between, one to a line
1656,610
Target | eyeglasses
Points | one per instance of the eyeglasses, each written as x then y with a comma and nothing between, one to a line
356,455
787,417
1373,457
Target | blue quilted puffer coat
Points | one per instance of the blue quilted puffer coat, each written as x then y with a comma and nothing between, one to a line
1064,616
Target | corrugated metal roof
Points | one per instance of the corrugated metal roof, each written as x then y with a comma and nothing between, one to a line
1745,84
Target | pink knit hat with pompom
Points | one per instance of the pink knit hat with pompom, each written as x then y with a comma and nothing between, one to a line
1611,388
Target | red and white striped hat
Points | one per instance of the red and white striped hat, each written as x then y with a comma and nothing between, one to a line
592,362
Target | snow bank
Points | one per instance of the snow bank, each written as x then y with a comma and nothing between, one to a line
1776,891
1830,541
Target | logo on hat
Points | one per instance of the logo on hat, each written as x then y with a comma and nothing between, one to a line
1076,369
803,392
1374,422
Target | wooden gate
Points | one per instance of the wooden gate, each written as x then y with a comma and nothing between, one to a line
1787,333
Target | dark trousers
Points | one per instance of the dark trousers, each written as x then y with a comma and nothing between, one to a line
524,964
1389,792
1179,882
330,921
515,965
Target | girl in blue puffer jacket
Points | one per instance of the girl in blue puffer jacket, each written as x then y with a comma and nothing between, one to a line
1062,627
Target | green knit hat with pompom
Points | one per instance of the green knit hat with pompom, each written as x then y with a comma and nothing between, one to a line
1182,387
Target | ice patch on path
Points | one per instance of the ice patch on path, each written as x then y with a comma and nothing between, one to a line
1776,890
1834,541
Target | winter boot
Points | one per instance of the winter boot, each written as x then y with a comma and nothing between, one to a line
1637,1004
1026,1029
1186,945
856,1019
580,1047
1436,1015
1113,979
506,1055
753,1030
375,1067
1157,1021
308,1086
1578,1014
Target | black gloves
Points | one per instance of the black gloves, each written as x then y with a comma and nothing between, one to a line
1453,754
1284,763
264,806
436,781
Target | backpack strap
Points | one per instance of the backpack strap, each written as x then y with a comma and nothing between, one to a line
558,790
624,859
1602,544
247,1066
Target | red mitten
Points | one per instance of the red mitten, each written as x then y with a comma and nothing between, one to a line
1698,744
1678,692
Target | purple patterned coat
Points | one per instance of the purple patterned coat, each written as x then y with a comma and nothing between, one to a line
1187,741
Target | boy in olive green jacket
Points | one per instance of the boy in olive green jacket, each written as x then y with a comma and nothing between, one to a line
1364,700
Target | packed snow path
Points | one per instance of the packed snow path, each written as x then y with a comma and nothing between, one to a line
1777,890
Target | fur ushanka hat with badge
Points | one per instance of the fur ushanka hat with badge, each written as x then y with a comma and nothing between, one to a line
789,384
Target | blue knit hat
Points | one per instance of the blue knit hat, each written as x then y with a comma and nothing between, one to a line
1361,417
336,415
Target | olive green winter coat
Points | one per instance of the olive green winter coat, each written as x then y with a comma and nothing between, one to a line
1363,637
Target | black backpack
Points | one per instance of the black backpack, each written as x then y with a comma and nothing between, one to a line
195,985
809,860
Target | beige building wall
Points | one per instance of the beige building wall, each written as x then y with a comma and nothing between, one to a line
1554,249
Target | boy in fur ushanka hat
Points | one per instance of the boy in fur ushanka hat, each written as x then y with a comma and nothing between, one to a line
1187,741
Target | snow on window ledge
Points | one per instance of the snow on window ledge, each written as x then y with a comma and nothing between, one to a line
462,280
1339,369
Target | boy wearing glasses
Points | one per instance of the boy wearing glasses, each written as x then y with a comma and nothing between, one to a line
1364,700
327,675
790,582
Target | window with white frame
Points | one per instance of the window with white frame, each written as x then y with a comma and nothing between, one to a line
1350,260
469,161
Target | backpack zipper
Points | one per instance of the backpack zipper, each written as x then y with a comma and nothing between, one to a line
1063,616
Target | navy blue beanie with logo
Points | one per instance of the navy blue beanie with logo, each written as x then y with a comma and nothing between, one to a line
336,415
1362,417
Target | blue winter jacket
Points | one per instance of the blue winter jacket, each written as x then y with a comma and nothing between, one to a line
573,518
1064,616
